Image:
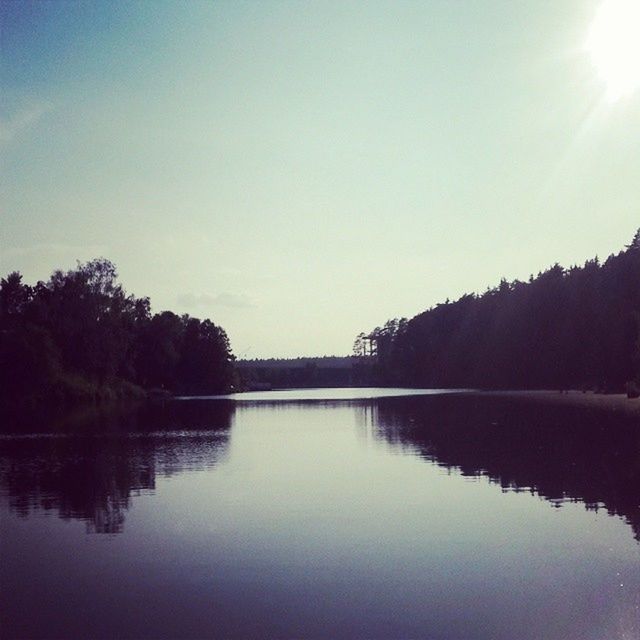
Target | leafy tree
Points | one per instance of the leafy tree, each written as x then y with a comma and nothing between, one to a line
14,297
81,329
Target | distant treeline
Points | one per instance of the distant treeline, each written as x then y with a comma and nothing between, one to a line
283,373
565,328
80,336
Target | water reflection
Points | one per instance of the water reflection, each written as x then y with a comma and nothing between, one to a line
561,453
88,465
323,520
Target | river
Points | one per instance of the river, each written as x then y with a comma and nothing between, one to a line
352,513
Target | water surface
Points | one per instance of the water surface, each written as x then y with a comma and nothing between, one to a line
419,516
326,395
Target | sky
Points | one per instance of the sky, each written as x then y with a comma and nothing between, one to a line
302,171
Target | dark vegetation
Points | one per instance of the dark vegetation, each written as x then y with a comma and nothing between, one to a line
565,328
301,373
79,336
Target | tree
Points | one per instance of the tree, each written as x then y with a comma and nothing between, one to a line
565,327
14,297
80,332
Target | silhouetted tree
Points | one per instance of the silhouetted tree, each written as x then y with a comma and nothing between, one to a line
14,297
575,327
79,333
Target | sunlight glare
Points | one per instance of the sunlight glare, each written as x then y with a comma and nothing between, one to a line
614,44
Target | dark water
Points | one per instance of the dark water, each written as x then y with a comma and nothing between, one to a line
443,516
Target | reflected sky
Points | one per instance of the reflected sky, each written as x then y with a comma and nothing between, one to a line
354,519
324,394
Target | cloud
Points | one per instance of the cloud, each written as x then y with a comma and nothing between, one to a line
224,299
21,120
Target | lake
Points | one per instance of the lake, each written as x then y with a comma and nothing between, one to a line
323,514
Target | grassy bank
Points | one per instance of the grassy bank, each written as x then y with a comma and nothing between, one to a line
72,390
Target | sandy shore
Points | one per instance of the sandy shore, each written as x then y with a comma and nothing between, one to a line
617,402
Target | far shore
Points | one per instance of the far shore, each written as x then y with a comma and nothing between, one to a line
617,402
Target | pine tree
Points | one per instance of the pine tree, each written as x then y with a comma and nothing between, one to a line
635,243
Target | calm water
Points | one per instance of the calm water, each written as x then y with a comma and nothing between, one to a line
425,516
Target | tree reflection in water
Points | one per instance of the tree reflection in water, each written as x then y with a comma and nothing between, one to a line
561,453
88,466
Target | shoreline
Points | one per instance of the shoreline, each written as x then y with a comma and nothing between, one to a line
614,402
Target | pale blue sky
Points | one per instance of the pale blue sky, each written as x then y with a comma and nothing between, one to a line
300,172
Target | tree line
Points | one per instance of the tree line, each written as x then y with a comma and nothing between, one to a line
303,372
565,328
79,335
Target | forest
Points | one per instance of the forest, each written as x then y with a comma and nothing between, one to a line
565,328
80,336
284,373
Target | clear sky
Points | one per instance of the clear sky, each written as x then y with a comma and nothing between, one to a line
299,172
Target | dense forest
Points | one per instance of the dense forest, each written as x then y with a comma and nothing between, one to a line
284,373
565,328
80,336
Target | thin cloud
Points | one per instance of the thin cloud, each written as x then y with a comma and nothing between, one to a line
225,299
15,124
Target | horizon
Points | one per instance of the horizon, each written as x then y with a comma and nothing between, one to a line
335,161
311,356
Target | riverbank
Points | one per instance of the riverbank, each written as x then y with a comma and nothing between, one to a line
68,391
614,402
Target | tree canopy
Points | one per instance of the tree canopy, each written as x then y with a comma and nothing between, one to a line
80,334
576,327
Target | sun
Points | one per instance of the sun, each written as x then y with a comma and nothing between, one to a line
614,44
